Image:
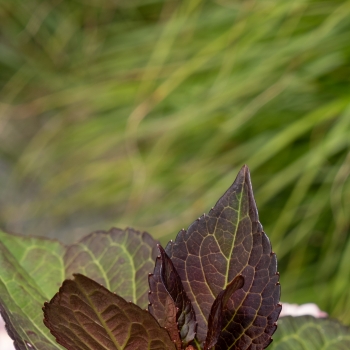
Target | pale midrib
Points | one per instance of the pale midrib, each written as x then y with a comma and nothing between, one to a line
98,264
110,334
60,259
133,271
234,236
228,260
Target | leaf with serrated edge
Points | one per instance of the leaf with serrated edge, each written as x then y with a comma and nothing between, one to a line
157,294
215,323
84,315
170,323
308,332
120,260
161,305
219,246
185,316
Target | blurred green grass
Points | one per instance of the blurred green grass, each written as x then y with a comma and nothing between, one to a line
140,113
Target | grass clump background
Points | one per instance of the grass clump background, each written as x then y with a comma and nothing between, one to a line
140,113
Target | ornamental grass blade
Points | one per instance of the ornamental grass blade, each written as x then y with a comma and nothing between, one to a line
215,323
84,315
215,249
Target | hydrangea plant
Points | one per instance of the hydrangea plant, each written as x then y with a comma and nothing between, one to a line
215,287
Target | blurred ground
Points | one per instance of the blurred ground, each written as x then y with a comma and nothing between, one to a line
140,113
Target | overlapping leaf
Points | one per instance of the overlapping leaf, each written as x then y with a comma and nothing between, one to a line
164,283
309,333
21,300
162,306
86,316
215,321
120,260
32,270
170,323
185,315
216,248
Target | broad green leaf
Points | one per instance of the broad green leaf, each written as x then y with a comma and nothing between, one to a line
120,260
21,302
310,333
86,316
41,258
215,249
32,269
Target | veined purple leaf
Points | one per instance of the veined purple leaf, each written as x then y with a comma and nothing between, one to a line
162,306
185,315
166,281
84,315
215,249
170,323
215,323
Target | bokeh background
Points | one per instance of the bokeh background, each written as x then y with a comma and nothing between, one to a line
141,112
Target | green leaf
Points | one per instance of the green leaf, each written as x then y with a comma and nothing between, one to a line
120,260
310,333
41,258
21,301
32,270
216,248
84,315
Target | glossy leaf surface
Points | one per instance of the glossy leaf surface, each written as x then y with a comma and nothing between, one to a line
309,333
86,316
215,249
33,269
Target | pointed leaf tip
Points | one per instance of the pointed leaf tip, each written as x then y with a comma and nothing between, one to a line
227,242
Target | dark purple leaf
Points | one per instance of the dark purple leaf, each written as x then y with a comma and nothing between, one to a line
166,281
84,315
219,246
162,306
215,323
170,323
157,294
